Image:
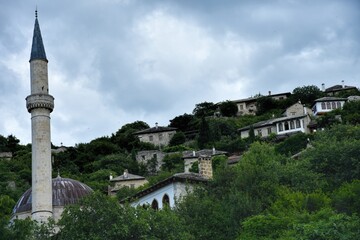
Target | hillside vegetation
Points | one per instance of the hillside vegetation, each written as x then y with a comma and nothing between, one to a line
267,195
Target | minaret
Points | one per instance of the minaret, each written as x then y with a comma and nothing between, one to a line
40,104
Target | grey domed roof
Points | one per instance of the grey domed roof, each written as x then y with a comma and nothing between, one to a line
64,191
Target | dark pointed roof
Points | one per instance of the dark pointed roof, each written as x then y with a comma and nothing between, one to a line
37,49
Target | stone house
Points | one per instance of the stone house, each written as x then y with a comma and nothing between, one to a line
336,89
247,106
125,180
174,188
147,156
296,119
159,136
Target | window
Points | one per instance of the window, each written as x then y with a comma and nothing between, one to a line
298,125
292,125
143,157
323,106
286,126
338,104
259,133
293,113
333,105
166,201
154,156
160,137
328,106
269,130
241,107
155,204
281,128
151,138
132,185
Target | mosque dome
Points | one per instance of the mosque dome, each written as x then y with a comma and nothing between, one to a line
64,191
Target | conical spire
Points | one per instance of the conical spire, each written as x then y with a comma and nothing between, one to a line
37,49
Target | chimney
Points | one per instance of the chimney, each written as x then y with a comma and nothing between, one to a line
111,176
194,154
343,83
323,87
126,173
304,109
213,151
156,125
205,167
269,93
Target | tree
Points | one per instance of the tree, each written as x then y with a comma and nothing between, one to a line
228,109
184,123
113,221
177,139
204,133
125,137
204,109
306,94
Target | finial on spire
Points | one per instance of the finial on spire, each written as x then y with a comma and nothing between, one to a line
36,12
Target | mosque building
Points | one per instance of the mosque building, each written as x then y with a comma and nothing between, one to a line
47,197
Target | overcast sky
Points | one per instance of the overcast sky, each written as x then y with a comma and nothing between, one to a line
113,62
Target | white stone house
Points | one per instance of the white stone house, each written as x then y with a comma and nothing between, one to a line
327,104
296,119
171,190
159,136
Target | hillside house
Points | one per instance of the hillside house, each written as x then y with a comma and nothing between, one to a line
159,136
336,89
174,188
296,119
125,180
191,157
247,106
327,104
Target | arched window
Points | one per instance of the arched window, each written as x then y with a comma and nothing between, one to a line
155,204
166,201
298,123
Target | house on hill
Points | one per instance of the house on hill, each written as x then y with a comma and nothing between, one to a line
247,106
296,119
125,180
336,89
159,136
327,104
174,188
191,157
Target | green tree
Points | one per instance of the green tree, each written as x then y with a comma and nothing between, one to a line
306,94
204,133
228,109
177,139
125,137
184,123
204,109
346,199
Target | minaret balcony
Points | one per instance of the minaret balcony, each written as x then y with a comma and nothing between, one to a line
40,101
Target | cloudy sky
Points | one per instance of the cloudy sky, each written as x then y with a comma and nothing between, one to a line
113,62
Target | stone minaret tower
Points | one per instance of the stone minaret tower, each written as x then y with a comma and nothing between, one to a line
40,104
